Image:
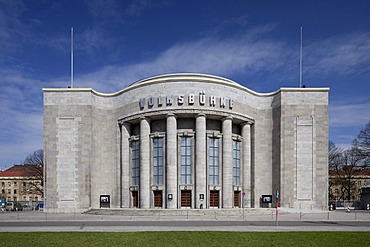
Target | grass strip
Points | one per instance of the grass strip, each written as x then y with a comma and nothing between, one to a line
174,239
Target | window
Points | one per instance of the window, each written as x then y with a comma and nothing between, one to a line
24,184
213,160
158,160
3,184
186,160
15,191
15,183
135,162
9,184
359,183
236,162
9,191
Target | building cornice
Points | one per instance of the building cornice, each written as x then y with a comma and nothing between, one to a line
174,78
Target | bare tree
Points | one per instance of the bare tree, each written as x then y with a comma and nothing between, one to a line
352,166
336,161
361,146
36,170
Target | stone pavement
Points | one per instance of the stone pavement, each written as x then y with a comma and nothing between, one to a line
187,220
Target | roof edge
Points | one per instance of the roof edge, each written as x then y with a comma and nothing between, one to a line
187,77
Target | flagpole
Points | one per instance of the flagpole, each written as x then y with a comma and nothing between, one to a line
300,60
71,57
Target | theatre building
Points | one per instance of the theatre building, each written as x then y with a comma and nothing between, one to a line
189,141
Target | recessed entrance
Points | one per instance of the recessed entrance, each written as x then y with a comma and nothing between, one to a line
214,199
185,198
157,198
135,199
236,199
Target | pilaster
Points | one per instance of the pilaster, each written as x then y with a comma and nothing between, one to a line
200,161
246,169
125,165
171,164
144,163
227,162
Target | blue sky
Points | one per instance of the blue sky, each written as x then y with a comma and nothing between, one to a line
255,43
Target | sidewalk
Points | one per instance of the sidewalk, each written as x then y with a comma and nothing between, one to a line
210,215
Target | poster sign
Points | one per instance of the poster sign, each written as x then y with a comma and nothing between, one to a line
105,201
267,198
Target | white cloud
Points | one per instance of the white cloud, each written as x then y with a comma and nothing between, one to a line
21,134
249,53
343,54
349,115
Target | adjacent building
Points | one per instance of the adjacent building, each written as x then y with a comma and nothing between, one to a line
349,186
189,141
22,183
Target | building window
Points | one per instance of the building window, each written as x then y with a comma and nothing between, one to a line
9,191
135,162
186,160
24,184
15,191
158,160
213,160
360,183
3,184
15,183
236,162
9,184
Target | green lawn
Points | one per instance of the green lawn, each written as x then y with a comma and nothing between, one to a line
222,239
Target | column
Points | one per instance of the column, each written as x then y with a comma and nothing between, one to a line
171,162
200,160
246,164
125,165
227,163
144,163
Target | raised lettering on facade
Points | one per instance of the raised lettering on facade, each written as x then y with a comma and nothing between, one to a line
181,99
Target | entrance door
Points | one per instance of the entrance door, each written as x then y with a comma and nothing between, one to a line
135,199
185,198
214,199
236,199
157,198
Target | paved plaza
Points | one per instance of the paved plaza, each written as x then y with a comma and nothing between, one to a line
261,221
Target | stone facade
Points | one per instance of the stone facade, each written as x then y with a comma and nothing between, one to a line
196,141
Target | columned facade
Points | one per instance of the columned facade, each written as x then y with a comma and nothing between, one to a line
167,143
